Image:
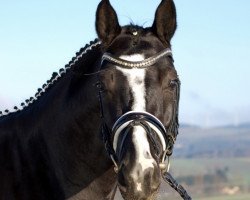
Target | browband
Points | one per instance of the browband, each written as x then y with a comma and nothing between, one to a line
140,64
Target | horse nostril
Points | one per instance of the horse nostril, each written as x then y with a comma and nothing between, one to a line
122,176
122,188
147,154
154,179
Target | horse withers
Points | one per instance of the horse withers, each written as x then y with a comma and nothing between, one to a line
114,106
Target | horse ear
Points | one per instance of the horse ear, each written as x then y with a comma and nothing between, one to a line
164,25
107,25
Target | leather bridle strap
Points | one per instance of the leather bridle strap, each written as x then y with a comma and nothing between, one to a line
172,130
177,187
148,130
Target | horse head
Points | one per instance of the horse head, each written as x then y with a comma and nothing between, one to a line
139,90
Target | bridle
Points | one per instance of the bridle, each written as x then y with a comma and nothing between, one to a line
167,135
152,125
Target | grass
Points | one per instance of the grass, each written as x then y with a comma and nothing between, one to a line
238,174
238,168
233,197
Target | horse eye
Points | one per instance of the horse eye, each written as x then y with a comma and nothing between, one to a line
171,58
100,86
173,83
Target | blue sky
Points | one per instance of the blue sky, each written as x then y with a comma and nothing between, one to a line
211,50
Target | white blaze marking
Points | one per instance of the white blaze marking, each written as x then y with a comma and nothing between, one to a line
143,154
138,187
136,81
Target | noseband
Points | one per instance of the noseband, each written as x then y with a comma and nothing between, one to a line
153,127
151,124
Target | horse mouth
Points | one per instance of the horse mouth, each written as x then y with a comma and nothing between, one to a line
129,195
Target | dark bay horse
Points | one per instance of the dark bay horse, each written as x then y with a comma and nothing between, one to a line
114,104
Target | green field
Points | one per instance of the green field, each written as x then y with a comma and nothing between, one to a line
233,197
238,168
237,176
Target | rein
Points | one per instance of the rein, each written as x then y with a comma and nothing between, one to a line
149,122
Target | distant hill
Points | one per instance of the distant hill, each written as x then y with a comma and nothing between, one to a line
228,141
245,125
242,125
183,125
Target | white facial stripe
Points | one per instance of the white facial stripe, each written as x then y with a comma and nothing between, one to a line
136,81
143,150
138,187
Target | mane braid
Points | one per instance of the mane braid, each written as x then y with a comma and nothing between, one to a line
54,78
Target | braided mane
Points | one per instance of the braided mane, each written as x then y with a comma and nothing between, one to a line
82,54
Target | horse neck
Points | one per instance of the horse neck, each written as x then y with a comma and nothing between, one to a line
65,123
76,145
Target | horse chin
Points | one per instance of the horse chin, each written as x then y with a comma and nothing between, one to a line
130,195
133,197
